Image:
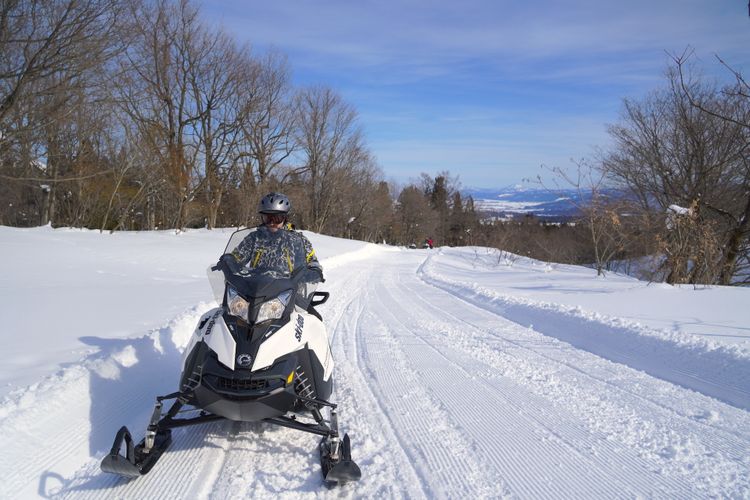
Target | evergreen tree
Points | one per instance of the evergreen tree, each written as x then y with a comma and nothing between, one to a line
439,202
457,221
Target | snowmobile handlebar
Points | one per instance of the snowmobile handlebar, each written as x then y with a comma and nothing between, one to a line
227,262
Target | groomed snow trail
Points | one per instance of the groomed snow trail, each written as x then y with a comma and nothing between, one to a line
483,406
441,398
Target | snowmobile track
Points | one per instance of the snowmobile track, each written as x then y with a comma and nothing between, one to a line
720,438
559,349
434,445
619,346
387,456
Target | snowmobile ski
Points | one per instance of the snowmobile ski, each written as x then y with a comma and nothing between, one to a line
337,464
137,461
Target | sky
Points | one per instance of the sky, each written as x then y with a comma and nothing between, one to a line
491,90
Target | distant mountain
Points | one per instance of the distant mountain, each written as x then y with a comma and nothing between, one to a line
517,201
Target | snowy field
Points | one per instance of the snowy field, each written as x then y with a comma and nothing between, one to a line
460,373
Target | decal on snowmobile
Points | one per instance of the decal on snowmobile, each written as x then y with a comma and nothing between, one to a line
312,336
212,322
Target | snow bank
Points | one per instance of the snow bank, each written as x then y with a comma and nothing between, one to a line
68,417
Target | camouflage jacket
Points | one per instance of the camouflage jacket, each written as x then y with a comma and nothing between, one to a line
284,250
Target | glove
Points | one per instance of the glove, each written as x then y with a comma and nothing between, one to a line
227,262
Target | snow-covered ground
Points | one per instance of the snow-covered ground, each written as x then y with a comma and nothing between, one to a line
459,373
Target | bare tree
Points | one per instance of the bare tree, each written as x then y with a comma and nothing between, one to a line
671,152
215,74
268,127
266,140
330,142
41,39
603,213
51,56
735,258
156,92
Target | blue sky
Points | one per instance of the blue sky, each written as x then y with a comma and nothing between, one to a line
488,89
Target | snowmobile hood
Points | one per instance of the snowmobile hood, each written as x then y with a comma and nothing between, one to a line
256,284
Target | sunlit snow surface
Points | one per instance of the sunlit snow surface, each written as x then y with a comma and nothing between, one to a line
460,373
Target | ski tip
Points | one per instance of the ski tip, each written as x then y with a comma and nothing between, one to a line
117,464
345,469
343,472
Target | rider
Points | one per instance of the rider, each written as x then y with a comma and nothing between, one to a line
273,245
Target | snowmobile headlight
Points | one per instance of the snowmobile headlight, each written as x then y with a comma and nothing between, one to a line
274,308
237,305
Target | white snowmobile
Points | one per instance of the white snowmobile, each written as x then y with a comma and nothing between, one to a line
263,355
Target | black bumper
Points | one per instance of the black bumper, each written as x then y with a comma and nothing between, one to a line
242,395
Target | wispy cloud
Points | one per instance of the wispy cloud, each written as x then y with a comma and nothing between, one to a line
432,34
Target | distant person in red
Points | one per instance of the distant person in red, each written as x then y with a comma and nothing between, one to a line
429,242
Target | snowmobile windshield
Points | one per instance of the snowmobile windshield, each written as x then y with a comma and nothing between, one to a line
237,238
259,282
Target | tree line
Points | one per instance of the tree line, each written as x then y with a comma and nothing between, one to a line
125,114
138,115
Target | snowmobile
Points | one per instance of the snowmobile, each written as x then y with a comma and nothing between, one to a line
262,356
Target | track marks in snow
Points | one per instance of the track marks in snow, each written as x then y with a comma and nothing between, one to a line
183,472
377,445
436,449
667,426
622,341
501,423
261,460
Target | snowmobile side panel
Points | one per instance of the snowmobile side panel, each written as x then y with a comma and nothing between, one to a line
313,370
217,336
302,329
199,331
